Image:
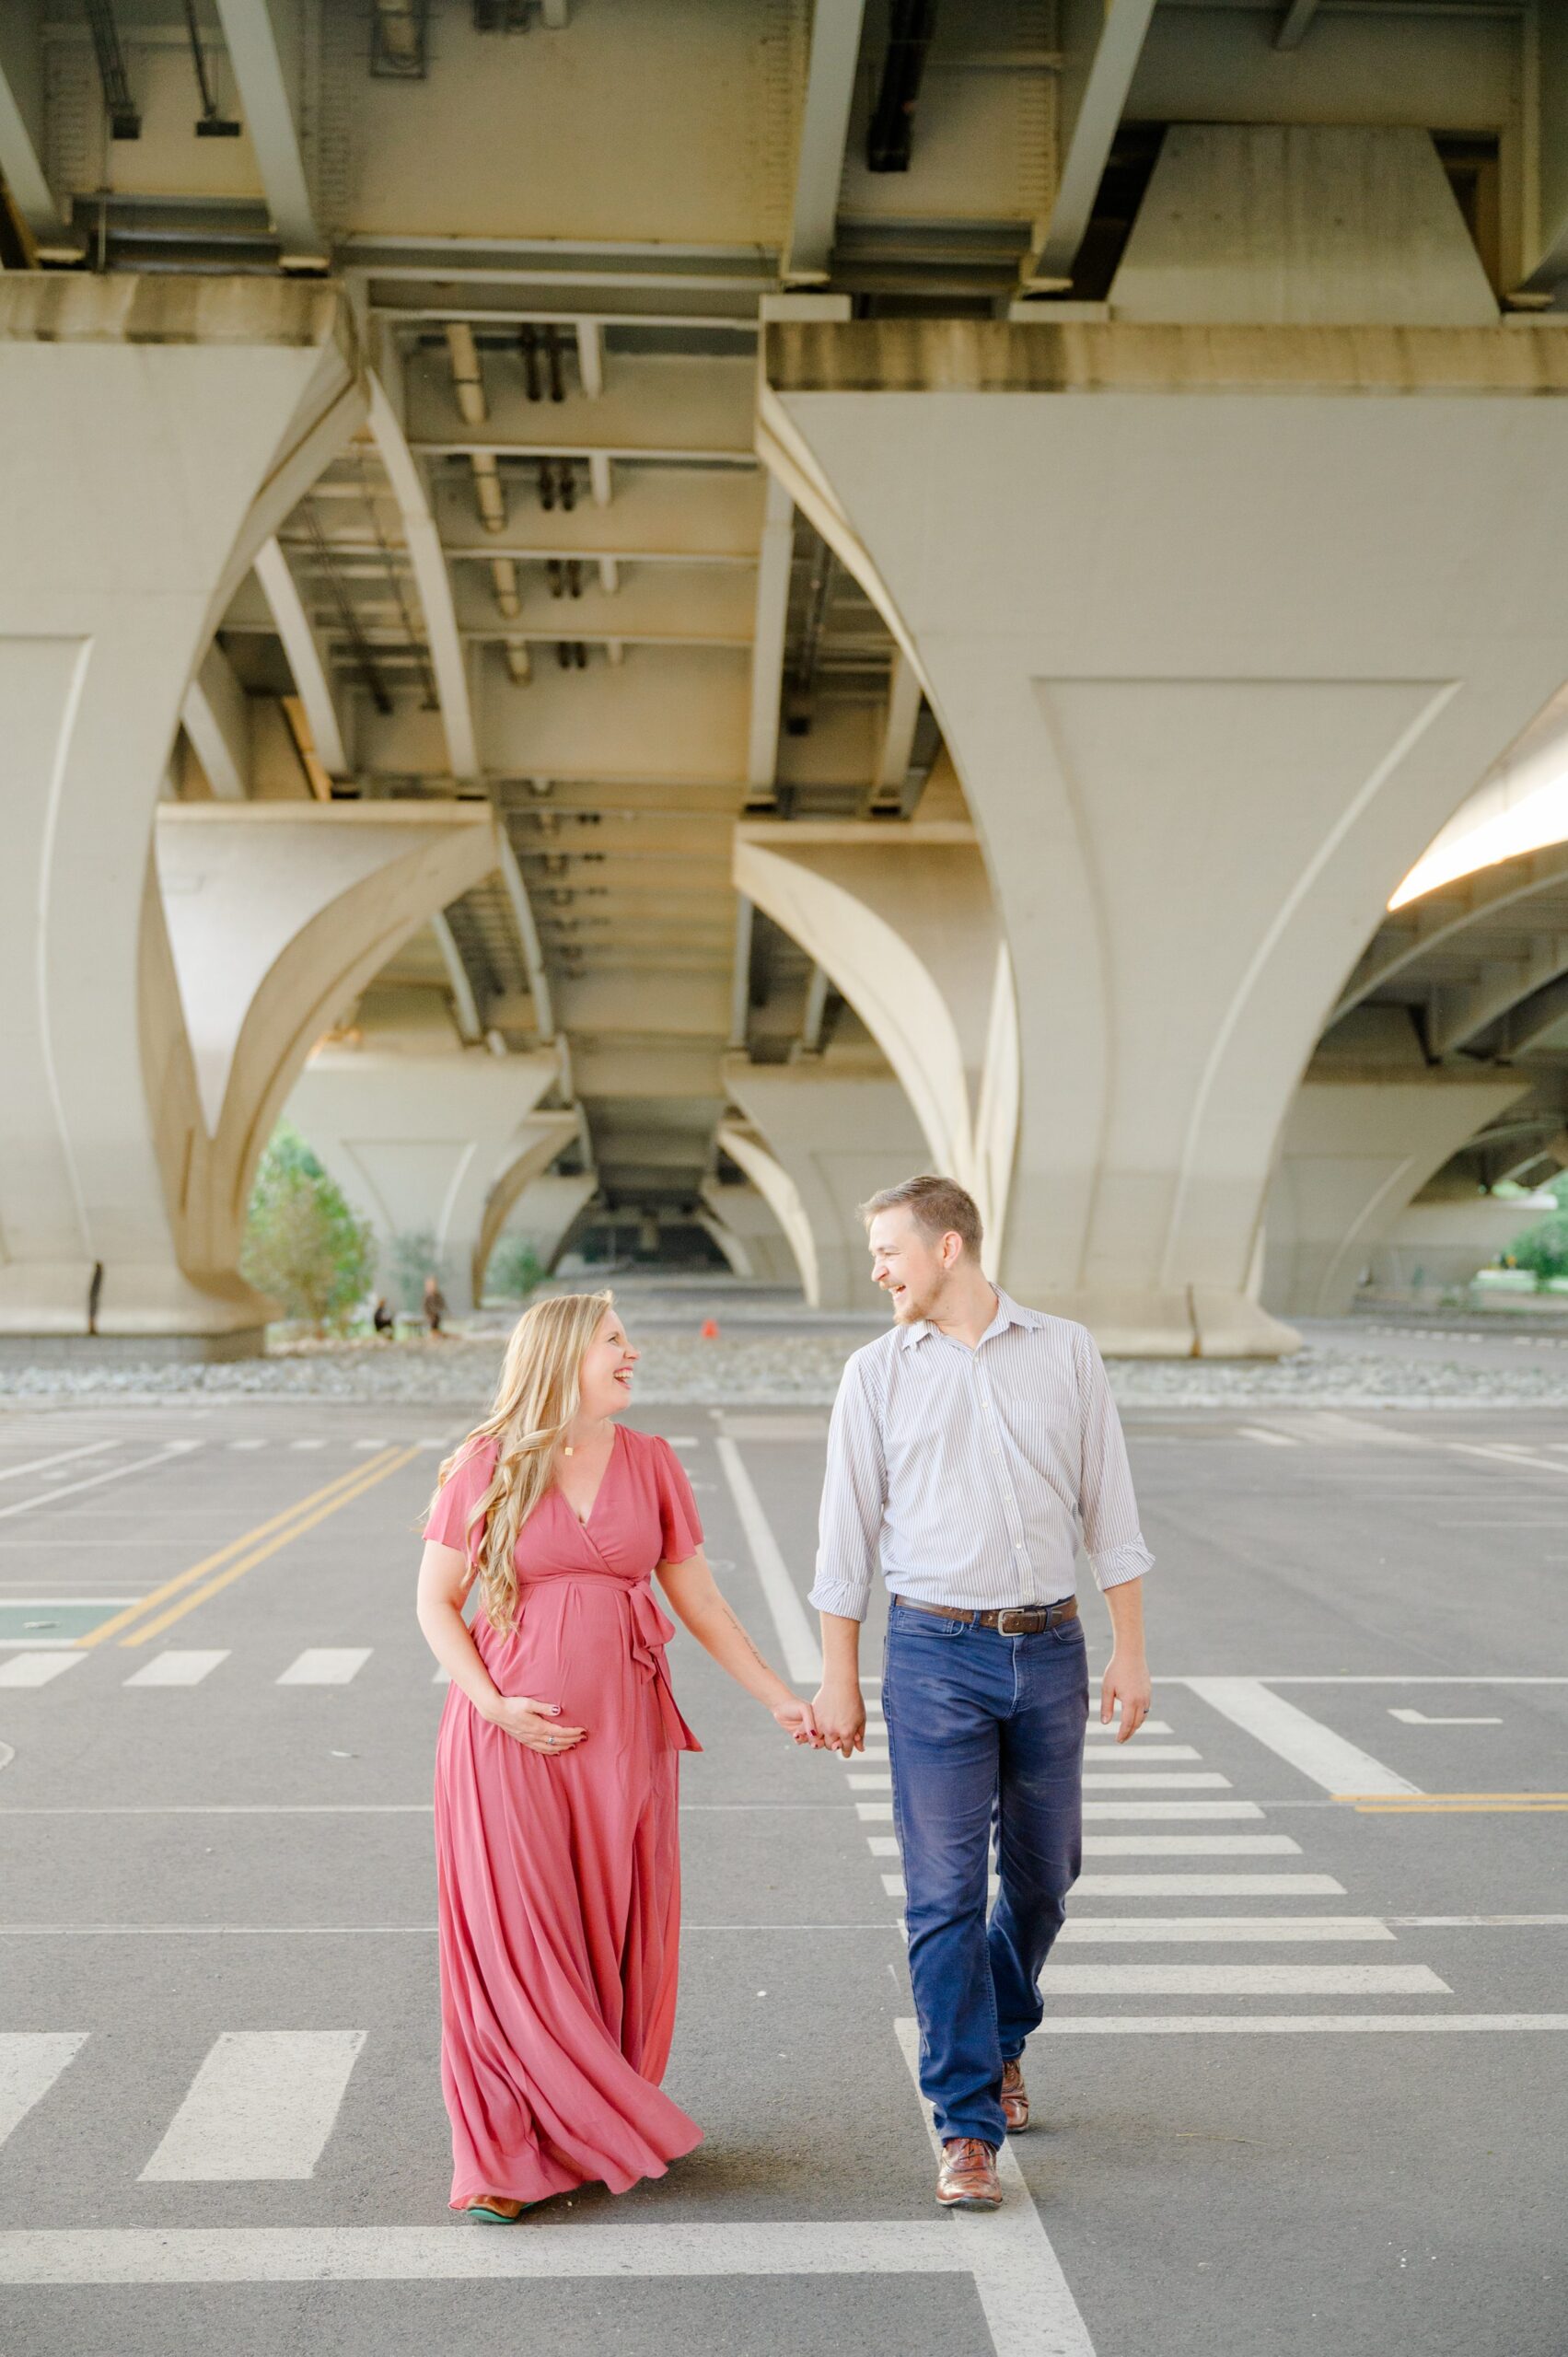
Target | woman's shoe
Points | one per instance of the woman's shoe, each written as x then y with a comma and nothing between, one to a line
481,2211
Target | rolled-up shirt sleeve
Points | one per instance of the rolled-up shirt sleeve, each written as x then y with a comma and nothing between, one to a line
1108,1509
853,1493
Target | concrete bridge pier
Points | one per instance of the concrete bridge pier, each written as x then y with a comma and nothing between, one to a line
153,433
904,925
435,1145
1358,1146
818,1137
1215,654
742,1223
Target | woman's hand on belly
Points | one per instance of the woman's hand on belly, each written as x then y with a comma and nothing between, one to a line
537,1726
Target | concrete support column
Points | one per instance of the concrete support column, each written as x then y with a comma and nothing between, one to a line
834,1129
1358,1146
744,1226
153,435
903,921
418,1143
547,1210
1214,661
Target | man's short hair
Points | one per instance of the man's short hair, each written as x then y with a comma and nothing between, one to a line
935,1204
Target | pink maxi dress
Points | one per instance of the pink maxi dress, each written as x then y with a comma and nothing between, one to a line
559,1879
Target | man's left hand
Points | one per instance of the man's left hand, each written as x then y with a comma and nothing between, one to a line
1126,1682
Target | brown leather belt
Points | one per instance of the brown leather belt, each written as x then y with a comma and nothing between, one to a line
1013,1621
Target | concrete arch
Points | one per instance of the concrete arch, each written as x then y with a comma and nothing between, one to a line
533,1147
904,923
778,1190
153,435
1271,611
1358,1147
838,1127
748,1218
418,1144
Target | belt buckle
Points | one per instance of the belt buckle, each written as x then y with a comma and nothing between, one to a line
1023,1620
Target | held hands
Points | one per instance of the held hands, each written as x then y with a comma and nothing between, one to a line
1126,1682
535,1725
840,1718
798,1722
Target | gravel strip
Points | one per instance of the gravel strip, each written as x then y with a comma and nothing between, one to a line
792,1367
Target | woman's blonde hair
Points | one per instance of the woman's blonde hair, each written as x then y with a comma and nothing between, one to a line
535,1401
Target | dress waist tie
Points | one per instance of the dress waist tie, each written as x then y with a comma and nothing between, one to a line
651,1632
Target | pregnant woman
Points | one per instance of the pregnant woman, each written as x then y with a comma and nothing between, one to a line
557,1837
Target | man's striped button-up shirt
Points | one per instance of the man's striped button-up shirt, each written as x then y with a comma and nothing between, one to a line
972,1474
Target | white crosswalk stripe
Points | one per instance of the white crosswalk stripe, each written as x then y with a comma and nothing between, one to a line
325,1665
1190,1845
1244,1980
261,2106
30,2061
36,1668
1207,1886
177,1667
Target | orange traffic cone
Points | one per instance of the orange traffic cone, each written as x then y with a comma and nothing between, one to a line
710,1329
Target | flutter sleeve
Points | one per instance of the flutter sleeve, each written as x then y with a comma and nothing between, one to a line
680,1522
468,1480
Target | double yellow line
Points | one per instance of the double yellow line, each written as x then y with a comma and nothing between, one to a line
231,1562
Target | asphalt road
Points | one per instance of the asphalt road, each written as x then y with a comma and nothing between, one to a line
1306,2095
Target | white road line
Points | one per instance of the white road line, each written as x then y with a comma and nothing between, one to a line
874,1812
30,2061
1135,1748
369,1444
1261,1431
1150,1811
1190,1845
261,2106
856,1783
1383,1678
308,1444
1420,1719
1009,2253
1285,2024
95,1481
244,1444
176,1668
1028,2307
797,1638
1241,1931
1170,1781
36,1668
61,1456
1243,1980
1150,1726
325,1665
1479,1922
1314,1749
1238,1886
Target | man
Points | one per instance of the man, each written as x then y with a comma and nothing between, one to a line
969,1447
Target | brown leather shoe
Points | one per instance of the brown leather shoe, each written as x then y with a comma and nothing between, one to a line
967,2178
1014,2098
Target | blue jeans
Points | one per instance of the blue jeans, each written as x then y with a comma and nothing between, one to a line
984,1731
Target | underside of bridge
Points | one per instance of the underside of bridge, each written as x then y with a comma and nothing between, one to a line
651,612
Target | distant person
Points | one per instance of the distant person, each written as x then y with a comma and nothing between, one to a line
434,1304
967,1450
381,1317
557,1822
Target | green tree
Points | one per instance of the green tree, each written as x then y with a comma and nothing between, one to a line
514,1270
1544,1248
303,1245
